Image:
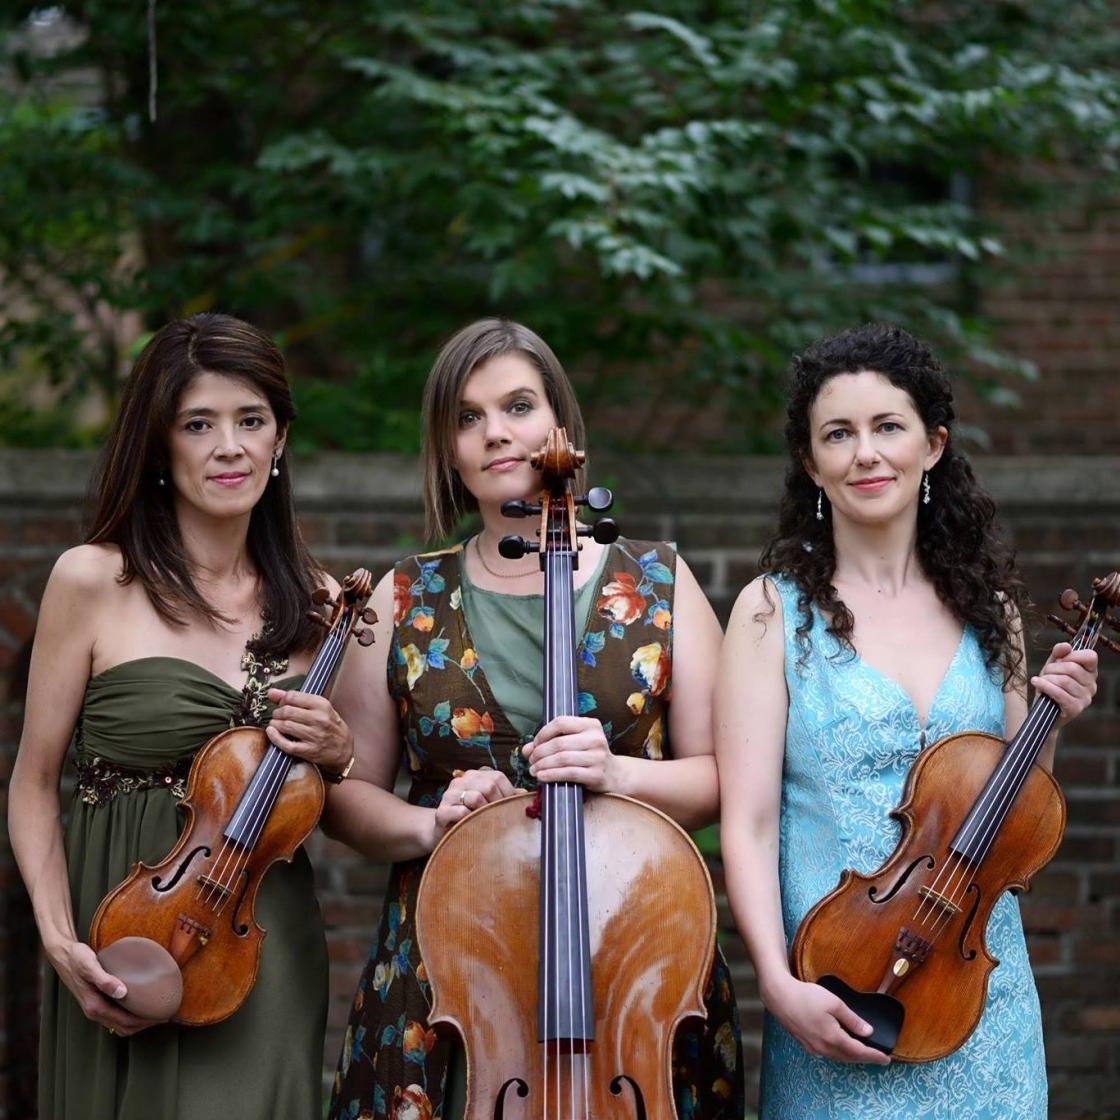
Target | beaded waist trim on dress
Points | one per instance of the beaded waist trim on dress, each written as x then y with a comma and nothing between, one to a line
100,780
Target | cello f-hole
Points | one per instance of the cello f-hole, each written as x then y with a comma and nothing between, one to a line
500,1104
180,871
639,1100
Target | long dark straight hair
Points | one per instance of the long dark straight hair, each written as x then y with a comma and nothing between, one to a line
134,512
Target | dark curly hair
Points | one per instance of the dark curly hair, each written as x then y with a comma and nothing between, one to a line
959,547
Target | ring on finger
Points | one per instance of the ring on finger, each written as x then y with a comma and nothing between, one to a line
462,797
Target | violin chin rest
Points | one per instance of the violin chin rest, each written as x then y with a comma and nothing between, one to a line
149,972
883,1012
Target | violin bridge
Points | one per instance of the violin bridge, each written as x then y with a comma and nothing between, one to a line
215,891
938,899
910,951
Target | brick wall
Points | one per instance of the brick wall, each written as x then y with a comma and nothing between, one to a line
1064,515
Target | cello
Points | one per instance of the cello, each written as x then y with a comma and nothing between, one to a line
605,895
181,934
904,946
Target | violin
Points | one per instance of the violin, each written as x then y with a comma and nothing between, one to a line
904,946
608,896
181,934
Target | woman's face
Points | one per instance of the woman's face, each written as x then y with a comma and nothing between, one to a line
504,416
221,444
869,447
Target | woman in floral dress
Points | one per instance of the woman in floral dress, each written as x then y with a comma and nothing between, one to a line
454,683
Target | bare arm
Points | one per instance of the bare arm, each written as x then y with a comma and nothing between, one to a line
60,669
686,786
363,811
751,707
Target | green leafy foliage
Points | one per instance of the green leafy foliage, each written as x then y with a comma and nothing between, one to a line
675,195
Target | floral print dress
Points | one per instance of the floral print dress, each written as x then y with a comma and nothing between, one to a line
393,1065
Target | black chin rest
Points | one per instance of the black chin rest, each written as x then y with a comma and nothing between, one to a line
883,1012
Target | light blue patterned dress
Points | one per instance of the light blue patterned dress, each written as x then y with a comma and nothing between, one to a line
851,738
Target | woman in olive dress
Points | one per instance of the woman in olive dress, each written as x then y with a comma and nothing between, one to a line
454,684
182,614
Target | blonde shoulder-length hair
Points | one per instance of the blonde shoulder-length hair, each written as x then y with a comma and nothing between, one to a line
446,499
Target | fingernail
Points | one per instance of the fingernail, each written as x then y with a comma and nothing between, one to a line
533,771
120,992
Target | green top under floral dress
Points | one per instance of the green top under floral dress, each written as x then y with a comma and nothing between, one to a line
141,723
392,1064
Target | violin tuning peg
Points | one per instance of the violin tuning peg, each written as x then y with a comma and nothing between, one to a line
318,619
321,596
369,616
365,637
1070,601
1064,626
1108,643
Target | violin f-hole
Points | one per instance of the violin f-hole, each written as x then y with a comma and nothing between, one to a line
180,871
500,1104
639,1100
873,892
969,954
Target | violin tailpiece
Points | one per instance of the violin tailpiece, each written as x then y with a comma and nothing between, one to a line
910,952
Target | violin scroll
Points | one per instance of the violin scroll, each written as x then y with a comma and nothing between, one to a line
1092,617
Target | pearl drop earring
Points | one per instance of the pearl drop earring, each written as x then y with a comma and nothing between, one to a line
275,472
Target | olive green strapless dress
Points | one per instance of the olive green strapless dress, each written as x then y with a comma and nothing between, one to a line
265,1061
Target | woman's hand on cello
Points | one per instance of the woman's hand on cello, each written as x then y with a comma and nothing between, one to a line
96,990
469,790
307,727
1069,678
573,749
822,1023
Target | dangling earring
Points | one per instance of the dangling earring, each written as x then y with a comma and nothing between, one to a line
275,472
162,479
925,488
820,496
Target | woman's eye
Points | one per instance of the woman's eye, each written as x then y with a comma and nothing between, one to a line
253,423
467,418
889,426
836,435
195,425
520,407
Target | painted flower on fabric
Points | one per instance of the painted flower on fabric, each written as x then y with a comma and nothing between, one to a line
422,619
468,661
470,725
417,1042
725,1046
636,702
651,748
661,616
721,1088
650,666
416,663
401,595
347,1048
621,601
410,1104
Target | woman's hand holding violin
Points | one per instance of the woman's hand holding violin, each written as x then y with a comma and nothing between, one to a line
574,749
95,989
821,1022
308,728
1069,678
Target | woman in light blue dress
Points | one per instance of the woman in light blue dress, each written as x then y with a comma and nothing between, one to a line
887,619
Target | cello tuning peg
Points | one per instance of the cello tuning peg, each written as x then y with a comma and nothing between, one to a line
368,616
318,619
1108,643
365,637
519,508
598,498
1064,626
321,596
514,547
605,530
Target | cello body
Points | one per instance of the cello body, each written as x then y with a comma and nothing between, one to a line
852,932
651,918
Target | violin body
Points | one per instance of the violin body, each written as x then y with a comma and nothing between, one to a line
854,933
651,922
198,902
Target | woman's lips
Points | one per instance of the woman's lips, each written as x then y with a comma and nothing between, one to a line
872,485
230,481
502,465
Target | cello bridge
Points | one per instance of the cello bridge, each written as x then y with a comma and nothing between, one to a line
936,898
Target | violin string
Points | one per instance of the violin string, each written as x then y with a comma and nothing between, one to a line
1028,742
548,841
273,772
